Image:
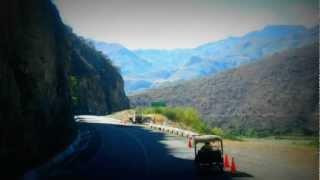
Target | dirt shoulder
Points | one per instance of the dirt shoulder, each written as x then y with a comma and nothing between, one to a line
272,159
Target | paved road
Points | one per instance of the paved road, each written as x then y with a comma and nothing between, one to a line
132,152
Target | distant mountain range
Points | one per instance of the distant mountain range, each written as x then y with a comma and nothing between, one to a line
129,63
148,68
275,95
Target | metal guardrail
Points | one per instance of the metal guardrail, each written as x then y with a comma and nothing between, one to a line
172,130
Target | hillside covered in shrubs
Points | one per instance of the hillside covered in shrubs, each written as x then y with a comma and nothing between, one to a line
277,95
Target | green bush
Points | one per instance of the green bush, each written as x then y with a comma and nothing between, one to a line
217,131
73,84
251,133
184,115
189,117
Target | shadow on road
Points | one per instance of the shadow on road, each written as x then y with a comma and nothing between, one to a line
242,174
118,152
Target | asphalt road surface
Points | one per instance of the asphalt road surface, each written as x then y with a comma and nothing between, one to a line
118,151
132,152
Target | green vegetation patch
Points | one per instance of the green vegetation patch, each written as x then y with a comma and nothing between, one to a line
74,84
189,117
183,115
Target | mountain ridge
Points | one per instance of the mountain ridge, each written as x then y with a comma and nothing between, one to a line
277,94
212,57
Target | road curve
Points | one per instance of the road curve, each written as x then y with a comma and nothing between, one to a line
132,152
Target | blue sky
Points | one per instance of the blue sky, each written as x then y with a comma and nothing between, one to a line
168,24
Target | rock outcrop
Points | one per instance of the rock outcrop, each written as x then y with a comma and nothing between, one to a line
44,70
36,117
96,85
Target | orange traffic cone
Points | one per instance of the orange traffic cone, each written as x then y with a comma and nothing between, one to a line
190,142
226,161
233,166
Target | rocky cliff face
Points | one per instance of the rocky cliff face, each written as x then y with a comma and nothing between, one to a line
42,66
96,85
36,118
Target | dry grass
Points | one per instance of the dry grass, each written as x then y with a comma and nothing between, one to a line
274,159
158,119
123,115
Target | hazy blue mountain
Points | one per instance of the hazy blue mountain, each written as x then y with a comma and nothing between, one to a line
255,44
147,68
132,67
165,58
127,61
232,52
